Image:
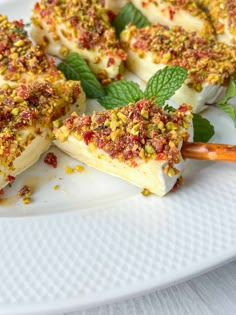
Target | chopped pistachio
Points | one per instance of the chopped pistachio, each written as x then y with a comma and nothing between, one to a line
146,192
149,149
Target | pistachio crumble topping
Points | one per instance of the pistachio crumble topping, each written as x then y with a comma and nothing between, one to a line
19,59
207,61
141,130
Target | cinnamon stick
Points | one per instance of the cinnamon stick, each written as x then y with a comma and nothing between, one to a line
209,151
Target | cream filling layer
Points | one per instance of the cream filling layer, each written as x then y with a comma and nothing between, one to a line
149,174
29,156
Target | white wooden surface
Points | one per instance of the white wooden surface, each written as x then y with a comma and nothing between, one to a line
213,293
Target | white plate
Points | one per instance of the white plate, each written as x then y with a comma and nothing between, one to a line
97,239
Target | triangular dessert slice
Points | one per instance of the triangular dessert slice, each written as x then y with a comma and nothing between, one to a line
140,143
81,26
209,63
33,93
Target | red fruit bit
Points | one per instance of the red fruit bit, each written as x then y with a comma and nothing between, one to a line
134,164
11,68
111,15
44,12
74,20
160,157
183,108
23,91
88,135
144,4
37,6
3,46
158,145
110,62
101,143
19,23
128,154
51,159
2,191
171,13
87,120
11,178
26,115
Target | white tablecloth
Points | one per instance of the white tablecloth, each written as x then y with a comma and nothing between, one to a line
213,293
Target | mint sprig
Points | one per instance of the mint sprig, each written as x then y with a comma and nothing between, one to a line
120,93
164,83
129,14
203,129
161,85
75,68
224,103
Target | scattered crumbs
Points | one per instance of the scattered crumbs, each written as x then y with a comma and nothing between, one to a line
79,168
51,159
69,170
56,187
25,192
26,200
146,192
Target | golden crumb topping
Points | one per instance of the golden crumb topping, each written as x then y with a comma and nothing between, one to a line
26,110
207,61
139,130
19,58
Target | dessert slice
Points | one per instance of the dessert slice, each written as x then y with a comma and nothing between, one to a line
184,13
210,64
81,26
222,14
33,93
140,143
27,112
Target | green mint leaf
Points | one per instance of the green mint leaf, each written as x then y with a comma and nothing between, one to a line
203,129
169,108
224,105
164,83
75,68
228,109
120,93
129,14
231,91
